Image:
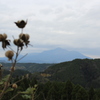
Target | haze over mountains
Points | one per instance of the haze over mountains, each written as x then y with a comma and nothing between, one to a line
51,56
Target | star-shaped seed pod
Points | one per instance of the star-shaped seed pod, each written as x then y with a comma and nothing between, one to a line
9,54
21,23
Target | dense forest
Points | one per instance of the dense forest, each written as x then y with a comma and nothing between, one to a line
52,91
73,80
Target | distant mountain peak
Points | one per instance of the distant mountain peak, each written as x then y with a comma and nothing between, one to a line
56,55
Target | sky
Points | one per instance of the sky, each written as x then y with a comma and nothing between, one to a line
73,25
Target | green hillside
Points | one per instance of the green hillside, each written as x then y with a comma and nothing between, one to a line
31,67
85,72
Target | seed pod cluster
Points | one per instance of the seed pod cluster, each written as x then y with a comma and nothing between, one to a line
14,86
3,39
21,23
25,38
9,54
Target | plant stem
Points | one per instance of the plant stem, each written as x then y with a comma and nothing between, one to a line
14,96
9,78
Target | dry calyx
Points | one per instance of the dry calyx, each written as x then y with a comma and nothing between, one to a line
9,54
25,38
3,39
21,23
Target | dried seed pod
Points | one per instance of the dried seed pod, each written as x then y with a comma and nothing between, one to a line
22,36
1,37
12,69
5,36
27,37
9,54
21,23
14,86
18,42
15,41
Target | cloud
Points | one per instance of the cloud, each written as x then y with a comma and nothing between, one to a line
70,24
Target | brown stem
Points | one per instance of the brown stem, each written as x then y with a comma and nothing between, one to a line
22,30
14,96
9,78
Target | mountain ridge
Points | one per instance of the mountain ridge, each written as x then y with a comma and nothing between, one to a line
57,55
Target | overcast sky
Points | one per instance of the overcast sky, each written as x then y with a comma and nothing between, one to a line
69,24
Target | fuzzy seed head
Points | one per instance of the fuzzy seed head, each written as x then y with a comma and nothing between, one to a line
12,69
15,86
5,36
9,54
1,37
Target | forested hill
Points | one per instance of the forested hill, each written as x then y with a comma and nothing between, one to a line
31,67
80,71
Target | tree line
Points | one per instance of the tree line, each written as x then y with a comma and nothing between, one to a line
52,91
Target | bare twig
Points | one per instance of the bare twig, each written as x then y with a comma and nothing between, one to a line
14,96
11,49
9,78
22,57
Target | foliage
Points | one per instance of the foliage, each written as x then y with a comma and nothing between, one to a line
85,72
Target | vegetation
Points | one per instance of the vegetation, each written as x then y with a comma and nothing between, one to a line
6,83
31,67
74,80
52,91
85,72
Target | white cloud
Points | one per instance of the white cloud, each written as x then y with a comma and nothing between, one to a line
71,24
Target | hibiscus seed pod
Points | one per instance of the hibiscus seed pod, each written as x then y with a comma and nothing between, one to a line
9,54
27,37
15,41
12,69
18,42
14,86
21,23
22,36
5,36
1,37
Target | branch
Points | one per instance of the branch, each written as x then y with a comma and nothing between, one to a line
22,57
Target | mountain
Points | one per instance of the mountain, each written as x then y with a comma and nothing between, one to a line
51,56
85,72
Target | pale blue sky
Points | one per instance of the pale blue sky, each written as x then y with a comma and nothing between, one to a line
69,24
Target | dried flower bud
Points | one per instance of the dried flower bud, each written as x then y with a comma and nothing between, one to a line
12,69
27,36
18,42
24,37
5,36
9,54
14,86
1,37
21,23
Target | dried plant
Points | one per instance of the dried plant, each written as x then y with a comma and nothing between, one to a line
22,41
